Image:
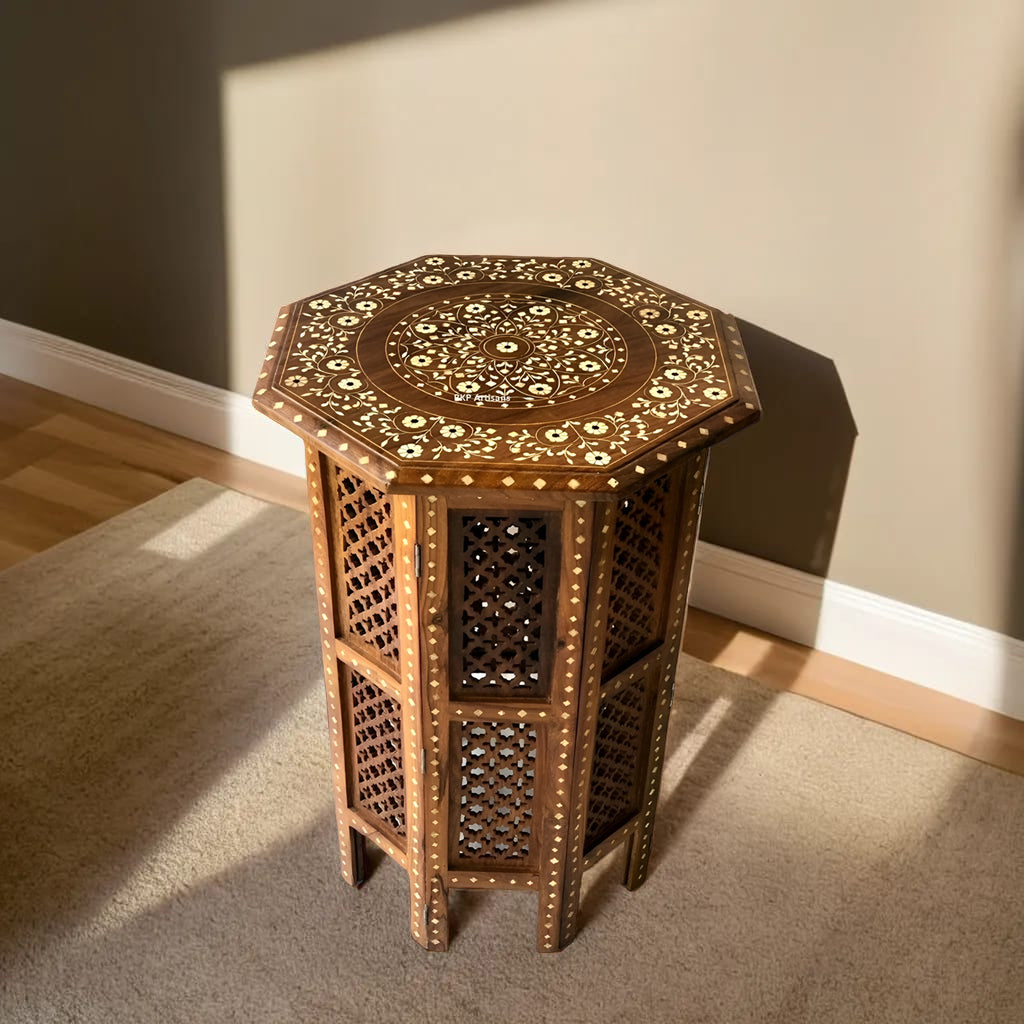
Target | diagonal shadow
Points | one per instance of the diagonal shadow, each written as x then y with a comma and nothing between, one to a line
120,182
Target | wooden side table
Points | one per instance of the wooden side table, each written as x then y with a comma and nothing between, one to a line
505,462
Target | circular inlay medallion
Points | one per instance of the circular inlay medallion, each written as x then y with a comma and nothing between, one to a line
518,350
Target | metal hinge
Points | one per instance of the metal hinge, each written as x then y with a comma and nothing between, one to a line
417,560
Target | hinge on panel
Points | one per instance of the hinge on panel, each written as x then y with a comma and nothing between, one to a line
417,560
423,761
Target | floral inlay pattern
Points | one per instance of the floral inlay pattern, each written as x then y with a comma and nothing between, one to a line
516,351
541,341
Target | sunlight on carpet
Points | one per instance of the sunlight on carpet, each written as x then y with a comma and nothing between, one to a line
198,531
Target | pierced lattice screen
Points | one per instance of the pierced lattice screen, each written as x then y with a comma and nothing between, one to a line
500,566
367,562
617,769
379,784
496,795
635,602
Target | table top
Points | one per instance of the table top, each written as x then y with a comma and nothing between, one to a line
506,372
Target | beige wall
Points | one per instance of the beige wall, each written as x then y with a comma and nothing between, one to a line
844,175
841,174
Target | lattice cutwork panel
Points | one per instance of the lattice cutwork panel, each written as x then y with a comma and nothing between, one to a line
615,776
496,796
634,601
379,784
500,567
367,560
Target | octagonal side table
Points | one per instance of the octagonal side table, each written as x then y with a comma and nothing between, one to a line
505,460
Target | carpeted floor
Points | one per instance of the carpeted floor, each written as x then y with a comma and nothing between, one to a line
167,851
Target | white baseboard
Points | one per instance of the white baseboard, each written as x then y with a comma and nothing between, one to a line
211,415
973,664
968,662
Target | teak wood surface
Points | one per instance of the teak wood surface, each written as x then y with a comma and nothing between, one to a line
559,719
506,373
505,460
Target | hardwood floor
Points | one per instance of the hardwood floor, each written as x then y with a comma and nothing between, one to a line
66,466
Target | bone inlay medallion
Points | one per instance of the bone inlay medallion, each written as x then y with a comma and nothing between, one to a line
520,351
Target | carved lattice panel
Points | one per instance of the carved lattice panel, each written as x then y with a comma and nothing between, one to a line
638,559
379,784
496,794
500,568
615,776
367,562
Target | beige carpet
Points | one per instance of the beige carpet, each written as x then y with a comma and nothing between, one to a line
167,848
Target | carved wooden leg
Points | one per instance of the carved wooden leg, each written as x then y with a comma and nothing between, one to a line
436,918
353,855
690,507
639,853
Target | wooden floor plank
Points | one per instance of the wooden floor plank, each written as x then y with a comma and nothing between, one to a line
37,523
21,448
40,482
100,472
12,553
